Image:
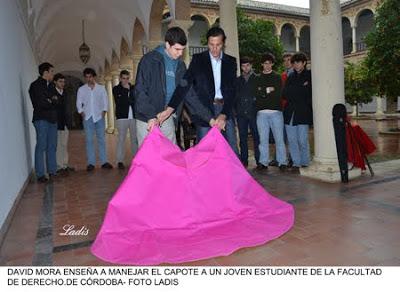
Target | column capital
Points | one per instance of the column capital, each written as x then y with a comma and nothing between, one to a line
108,78
114,73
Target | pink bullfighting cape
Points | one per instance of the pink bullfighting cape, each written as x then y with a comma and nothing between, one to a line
176,206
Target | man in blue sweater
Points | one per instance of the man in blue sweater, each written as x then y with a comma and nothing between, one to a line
159,72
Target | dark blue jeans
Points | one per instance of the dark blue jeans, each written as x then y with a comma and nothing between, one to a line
229,133
244,123
46,143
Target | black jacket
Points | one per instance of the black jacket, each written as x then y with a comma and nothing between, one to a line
298,92
124,98
150,86
44,107
198,89
63,119
245,100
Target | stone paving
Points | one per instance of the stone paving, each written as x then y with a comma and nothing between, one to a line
336,224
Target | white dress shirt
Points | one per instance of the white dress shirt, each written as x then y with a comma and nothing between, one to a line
92,101
216,64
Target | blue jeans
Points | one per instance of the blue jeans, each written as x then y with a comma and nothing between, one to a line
46,142
244,123
299,147
90,129
273,121
229,133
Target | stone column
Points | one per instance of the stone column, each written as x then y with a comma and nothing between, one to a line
110,113
297,43
354,112
328,86
185,25
379,106
228,22
354,38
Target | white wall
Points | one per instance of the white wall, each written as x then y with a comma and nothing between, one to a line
17,136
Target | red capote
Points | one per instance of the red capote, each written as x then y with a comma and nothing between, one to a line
359,145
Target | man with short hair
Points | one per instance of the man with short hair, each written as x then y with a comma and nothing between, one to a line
124,110
159,72
63,124
245,106
208,88
92,104
268,88
44,102
298,113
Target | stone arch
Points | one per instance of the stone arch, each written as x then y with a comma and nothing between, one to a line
155,27
347,35
138,38
114,61
198,29
305,46
124,48
288,37
364,21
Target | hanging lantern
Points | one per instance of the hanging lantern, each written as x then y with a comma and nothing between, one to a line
84,50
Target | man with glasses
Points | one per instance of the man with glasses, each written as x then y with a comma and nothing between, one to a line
92,104
124,101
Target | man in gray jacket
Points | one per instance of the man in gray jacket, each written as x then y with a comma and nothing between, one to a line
159,72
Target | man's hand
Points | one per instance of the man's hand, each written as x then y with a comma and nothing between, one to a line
151,124
164,115
83,115
221,122
212,122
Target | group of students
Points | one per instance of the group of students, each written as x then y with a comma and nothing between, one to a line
281,104
208,89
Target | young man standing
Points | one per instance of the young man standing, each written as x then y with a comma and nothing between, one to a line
92,104
298,113
159,72
44,102
245,105
269,116
63,123
124,104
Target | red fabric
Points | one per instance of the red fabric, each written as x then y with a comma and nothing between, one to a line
359,145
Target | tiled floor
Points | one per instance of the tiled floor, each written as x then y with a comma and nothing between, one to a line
353,224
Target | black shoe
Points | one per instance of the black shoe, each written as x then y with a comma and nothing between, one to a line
107,166
261,167
282,167
121,165
245,164
42,179
90,167
69,169
295,169
273,163
61,171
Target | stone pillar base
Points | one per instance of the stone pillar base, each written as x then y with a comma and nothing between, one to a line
327,172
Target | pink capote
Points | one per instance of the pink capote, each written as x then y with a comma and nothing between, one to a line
176,206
